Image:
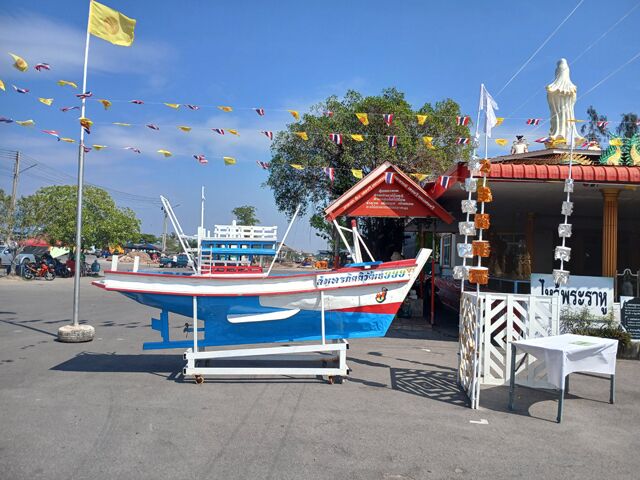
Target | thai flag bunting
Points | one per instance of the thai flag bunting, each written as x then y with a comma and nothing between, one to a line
462,141
66,109
328,113
133,149
444,181
20,90
388,177
463,120
86,149
543,139
84,95
6,120
392,140
388,118
602,124
263,165
336,138
137,102
330,172
153,126
588,144
218,130
533,121
201,159
192,107
42,66
268,134
53,133
260,111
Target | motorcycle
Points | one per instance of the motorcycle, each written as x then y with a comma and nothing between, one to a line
42,270
60,269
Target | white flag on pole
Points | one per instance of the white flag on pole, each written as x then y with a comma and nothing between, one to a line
488,104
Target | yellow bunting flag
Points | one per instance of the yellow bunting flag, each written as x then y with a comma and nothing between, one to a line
295,114
98,147
356,173
175,106
85,123
357,137
616,142
19,63
574,120
2,86
428,142
66,83
363,117
46,101
558,141
120,124
421,119
499,121
419,176
502,141
184,128
229,160
233,132
297,166
68,140
166,153
110,25
302,135
105,103
26,123
225,108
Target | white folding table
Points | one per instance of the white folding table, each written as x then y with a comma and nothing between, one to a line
566,354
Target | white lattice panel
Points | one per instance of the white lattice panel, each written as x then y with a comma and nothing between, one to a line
469,355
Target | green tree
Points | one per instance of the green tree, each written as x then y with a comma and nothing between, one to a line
591,130
246,215
312,188
148,238
5,223
628,126
51,212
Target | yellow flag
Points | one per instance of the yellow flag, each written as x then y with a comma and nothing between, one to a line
110,25
616,142
499,121
502,141
356,173
229,160
184,128
68,140
297,166
105,103
419,176
574,120
175,106
428,142
98,147
357,137
225,108
421,119
295,114
233,132
166,153
19,63
46,101
120,124
66,83
2,86
363,117
26,123
302,135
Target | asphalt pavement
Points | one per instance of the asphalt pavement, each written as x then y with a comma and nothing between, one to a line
108,410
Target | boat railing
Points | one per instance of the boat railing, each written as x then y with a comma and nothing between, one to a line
244,232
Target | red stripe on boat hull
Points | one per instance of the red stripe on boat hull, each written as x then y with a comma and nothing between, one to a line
381,308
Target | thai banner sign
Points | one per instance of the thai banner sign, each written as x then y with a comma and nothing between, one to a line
593,293
363,277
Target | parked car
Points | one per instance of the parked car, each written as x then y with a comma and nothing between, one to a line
9,257
181,260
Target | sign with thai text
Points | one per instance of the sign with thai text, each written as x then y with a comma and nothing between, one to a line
391,200
630,314
363,277
593,293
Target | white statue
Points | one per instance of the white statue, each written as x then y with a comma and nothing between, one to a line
561,95
519,145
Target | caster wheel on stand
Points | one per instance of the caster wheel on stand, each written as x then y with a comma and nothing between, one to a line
334,379
199,379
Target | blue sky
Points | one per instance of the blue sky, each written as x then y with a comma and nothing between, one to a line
284,55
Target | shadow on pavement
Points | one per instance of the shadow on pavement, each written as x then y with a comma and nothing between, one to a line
497,399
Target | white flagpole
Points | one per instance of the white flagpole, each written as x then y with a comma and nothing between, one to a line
76,277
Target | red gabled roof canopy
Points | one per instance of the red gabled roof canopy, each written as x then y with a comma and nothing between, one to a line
373,196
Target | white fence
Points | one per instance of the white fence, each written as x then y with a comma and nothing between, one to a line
489,322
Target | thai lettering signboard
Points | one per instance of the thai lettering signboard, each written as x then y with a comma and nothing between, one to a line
592,293
630,314
364,277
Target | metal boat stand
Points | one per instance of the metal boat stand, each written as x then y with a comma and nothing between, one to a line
195,357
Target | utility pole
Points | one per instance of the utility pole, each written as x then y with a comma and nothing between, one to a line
14,194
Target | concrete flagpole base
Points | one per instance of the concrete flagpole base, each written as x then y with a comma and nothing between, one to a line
76,333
